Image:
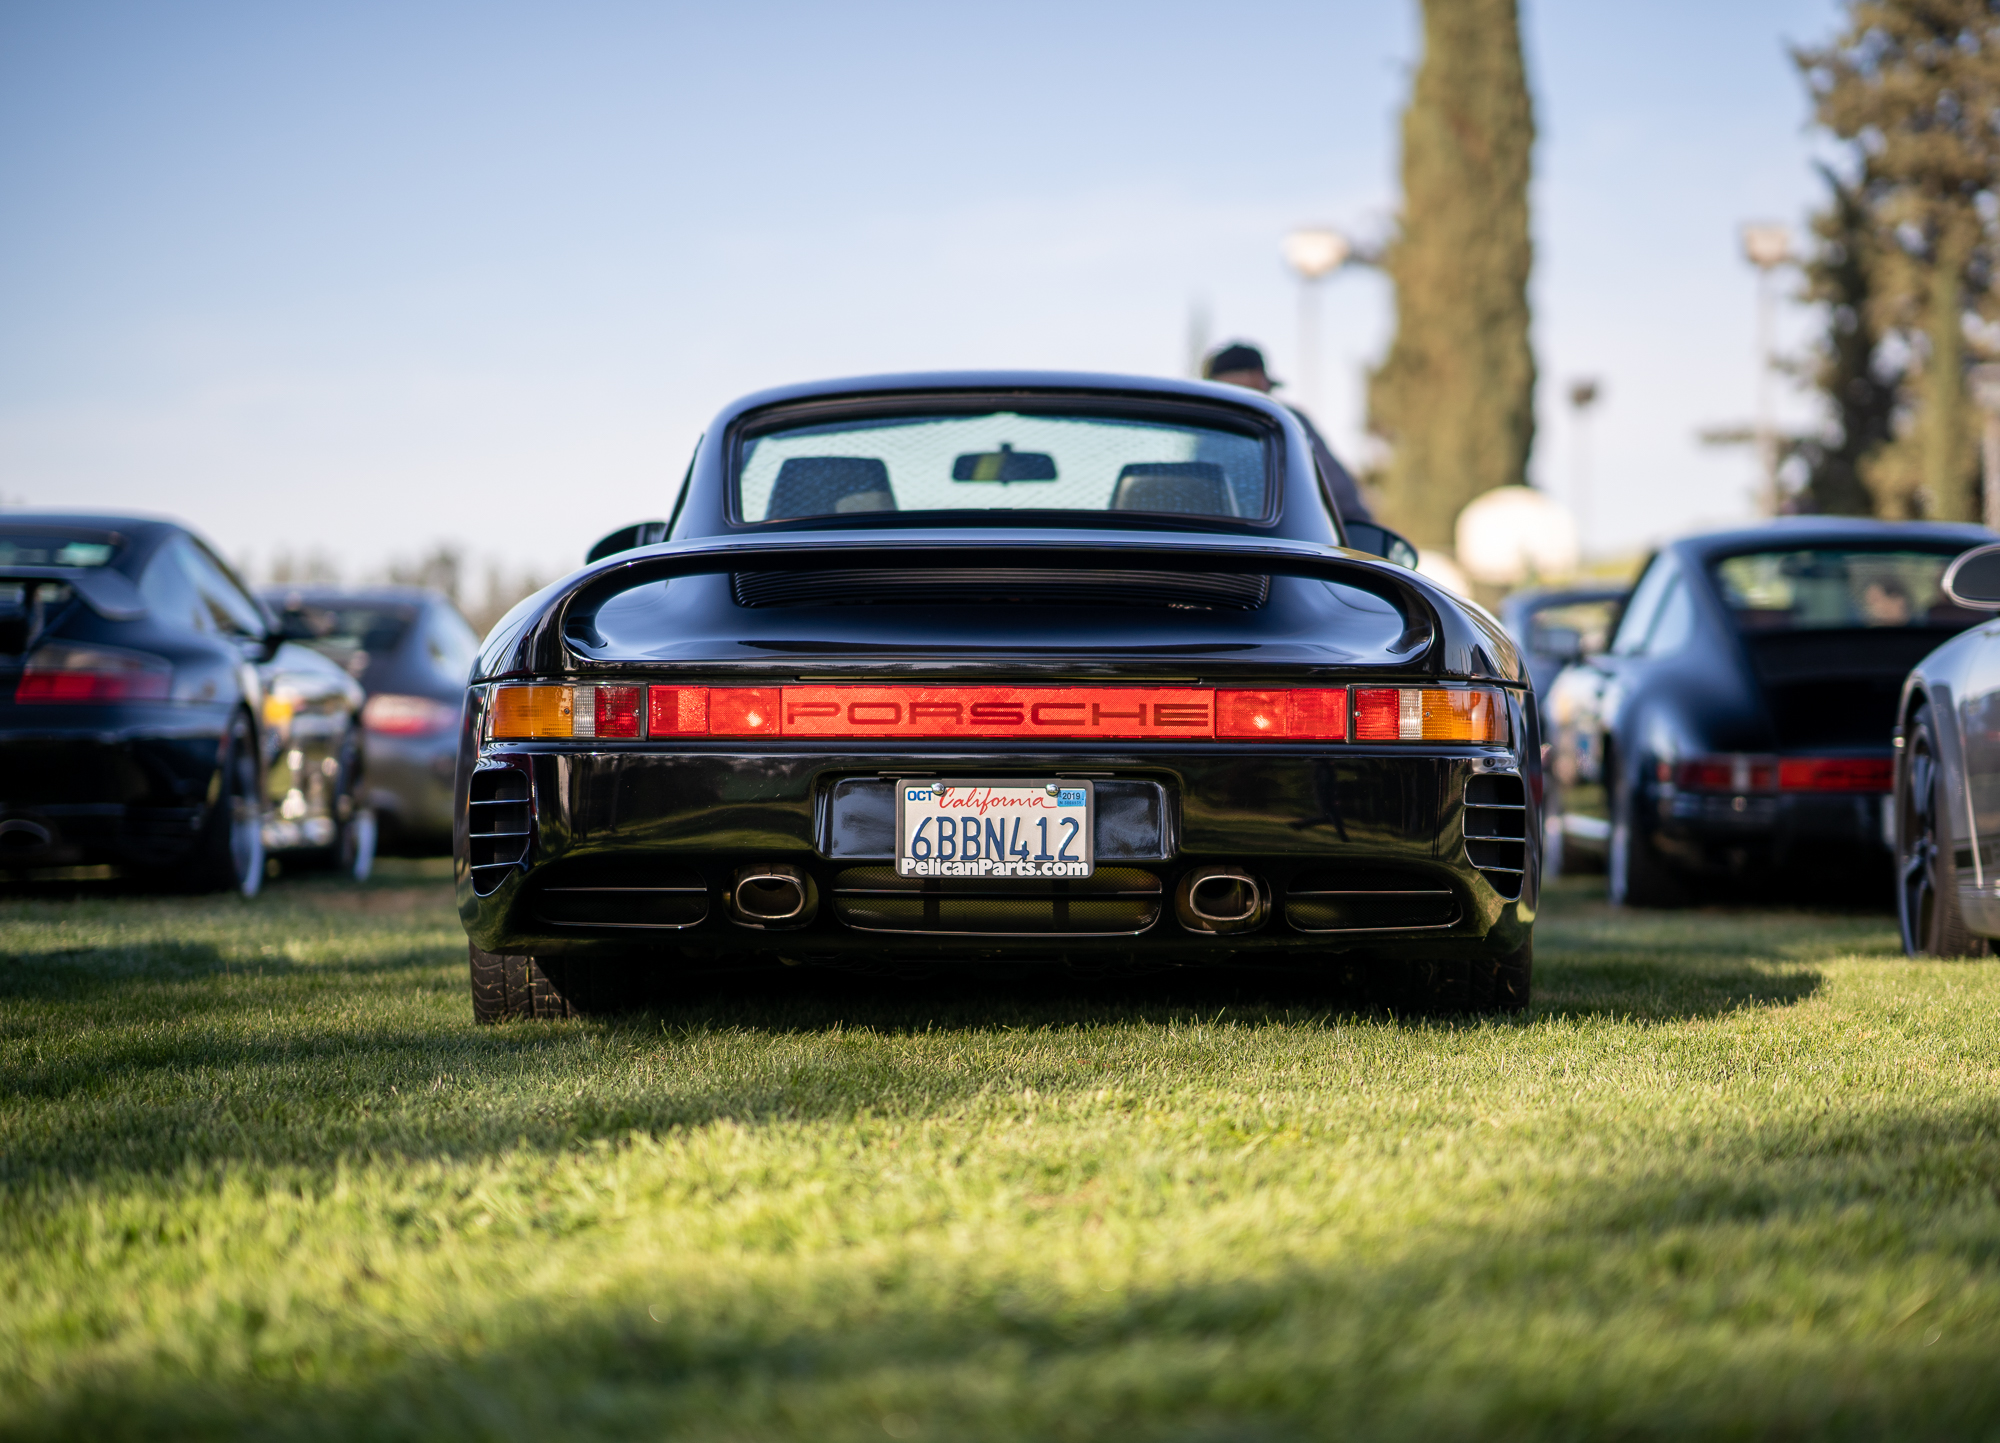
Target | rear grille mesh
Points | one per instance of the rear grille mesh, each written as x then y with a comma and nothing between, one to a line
1496,831
499,824
987,586
1114,901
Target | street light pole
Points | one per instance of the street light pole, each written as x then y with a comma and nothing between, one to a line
1767,245
1583,395
1314,252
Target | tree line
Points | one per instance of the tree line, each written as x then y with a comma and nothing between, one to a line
1903,256
1901,266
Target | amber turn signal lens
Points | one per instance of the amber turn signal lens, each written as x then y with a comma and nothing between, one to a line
526,713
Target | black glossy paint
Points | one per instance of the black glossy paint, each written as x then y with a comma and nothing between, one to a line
1302,817
131,783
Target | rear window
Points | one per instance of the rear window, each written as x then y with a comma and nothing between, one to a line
1004,460
351,635
1829,588
36,546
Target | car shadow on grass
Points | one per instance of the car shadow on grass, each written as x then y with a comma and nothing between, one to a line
1671,1302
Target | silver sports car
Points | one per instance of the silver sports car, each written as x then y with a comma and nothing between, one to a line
1947,802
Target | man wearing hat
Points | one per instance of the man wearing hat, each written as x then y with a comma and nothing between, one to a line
1240,364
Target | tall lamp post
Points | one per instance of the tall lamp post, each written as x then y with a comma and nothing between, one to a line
1767,245
1985,388
1584,393
1314,252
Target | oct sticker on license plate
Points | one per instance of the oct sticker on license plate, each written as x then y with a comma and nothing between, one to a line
993,829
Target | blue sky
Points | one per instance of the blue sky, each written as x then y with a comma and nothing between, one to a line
365,277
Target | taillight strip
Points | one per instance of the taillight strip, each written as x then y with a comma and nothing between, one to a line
1394,714
1762,773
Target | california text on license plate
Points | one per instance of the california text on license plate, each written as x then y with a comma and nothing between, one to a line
993,829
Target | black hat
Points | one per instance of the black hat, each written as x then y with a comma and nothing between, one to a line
1236,356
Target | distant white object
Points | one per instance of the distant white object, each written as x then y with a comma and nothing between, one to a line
1513,533
1315,251
1767,244
1439,567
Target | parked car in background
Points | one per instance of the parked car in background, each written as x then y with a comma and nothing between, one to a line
1004,667
154,719
1557,626
411,651
1742,721
1947,801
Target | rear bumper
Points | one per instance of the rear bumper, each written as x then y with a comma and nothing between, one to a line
1713,832
1357,850
408,784
129,789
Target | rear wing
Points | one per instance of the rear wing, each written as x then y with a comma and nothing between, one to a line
108,593
1442,634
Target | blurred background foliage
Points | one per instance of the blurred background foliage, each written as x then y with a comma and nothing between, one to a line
1903,256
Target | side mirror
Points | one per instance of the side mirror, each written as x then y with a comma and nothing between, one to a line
626,538
1974,579
1378,540
1560,643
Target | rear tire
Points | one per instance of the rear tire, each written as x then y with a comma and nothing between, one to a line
357,845
1638,875
505,989
1926,872
509,988
230,854
1485,984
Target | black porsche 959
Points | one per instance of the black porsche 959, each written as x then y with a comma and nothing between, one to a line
1014,668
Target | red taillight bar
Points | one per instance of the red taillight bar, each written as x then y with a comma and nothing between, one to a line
1451,714
1748,772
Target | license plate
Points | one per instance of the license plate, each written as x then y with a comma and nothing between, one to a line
994,829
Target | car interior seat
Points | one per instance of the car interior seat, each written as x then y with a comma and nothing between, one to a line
1191,487
829,485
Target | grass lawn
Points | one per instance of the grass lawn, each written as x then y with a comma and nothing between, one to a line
260,1176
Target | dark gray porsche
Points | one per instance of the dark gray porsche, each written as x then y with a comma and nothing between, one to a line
1013,668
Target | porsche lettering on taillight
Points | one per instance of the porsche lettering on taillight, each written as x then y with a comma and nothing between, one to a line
1167,713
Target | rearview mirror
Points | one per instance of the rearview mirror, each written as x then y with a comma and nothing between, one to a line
1379,540
645,533
1974,579
1004,465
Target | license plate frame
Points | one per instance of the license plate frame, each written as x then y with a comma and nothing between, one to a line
1032,852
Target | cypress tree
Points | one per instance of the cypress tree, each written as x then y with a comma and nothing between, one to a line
1454,398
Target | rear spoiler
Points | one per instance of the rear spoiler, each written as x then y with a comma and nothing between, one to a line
104,591
534,640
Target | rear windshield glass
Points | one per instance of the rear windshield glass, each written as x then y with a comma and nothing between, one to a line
351,635
1827,588
33,546
1003,461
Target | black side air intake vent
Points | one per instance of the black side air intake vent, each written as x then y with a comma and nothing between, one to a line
1496,831
669,900
499,823
1016,586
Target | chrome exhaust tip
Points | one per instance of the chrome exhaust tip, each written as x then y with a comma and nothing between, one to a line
1221,900
772,895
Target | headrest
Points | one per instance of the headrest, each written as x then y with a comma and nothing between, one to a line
1193,487
826,485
